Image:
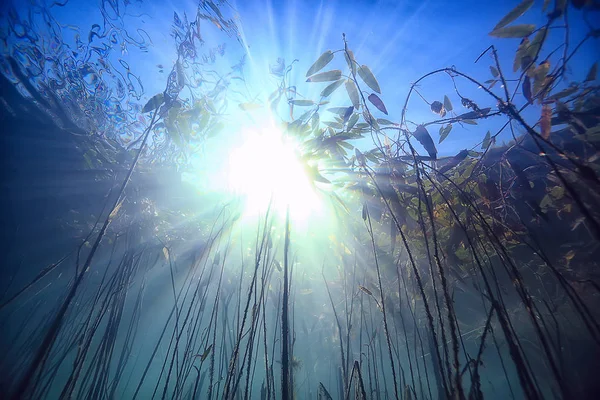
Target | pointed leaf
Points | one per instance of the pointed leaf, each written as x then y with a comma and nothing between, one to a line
376,101
475,114
424,138
591,76
454,161
352,93
338,110
494,71
302,103
348,113
331,88
444,131
155,102
514,13
328,76
487,140
367,76
352,121
321,62
515,31
350,60
447,104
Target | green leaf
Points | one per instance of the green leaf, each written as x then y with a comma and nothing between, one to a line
321,62
338,110
334,125
353,93
494,71
515,31
302,103
367,76
591,76
352,121
533,48
557,192
444,131
331,88
350,60
155,102
328,76
469,121
447,104
382,121
514,14
486,140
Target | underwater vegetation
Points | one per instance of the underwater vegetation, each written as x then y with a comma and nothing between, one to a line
344,252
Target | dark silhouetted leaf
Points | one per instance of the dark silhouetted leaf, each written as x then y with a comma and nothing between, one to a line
444,131
321,62
475,114
514,14
348,114
155,102
367,76
328,76
352,93
437,107
364,212
515,31
331,88
454,161
447,104
376,101
527,88
424,138
591,76
302,103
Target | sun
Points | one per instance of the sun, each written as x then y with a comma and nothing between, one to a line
266,167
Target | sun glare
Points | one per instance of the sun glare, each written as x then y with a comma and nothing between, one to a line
267,165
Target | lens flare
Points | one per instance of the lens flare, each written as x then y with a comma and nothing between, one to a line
267,166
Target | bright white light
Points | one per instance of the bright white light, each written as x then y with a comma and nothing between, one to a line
266,165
